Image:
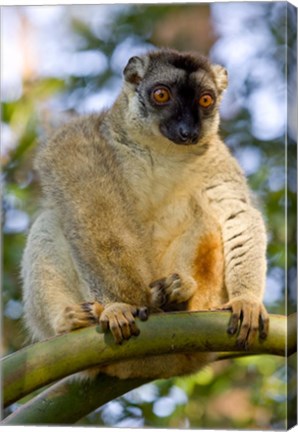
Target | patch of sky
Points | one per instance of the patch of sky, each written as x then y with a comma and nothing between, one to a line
13,309
112,412
245,49
250,159
274,284
146,393
131,45
16,221
164,406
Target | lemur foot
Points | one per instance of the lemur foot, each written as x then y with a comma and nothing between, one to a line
172,290
119,318
249,317
79,315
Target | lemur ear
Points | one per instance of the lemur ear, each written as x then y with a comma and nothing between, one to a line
134,71
221,77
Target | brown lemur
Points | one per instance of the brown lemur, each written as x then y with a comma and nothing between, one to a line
144,209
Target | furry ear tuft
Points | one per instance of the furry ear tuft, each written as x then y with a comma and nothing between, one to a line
221,77
134,71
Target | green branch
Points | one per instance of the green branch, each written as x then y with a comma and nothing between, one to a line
43,363
70,400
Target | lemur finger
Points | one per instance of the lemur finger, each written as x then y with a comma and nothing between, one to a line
177,295
109,322
172,283
128,325
133,329
158,297
104,322
245,327
235,317
263,323
124,324
115,329
254,328
157,284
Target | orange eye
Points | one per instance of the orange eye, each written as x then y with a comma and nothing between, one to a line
161,95
206,101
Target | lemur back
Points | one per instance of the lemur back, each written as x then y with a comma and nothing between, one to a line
145,209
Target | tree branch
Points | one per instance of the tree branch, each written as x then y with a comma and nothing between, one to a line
40,364
70,400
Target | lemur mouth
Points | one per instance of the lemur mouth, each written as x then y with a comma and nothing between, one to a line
181,135
185,143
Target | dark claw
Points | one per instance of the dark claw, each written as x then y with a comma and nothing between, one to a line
135,331
263,328
143,314
242,344
233,324
104,325
263,335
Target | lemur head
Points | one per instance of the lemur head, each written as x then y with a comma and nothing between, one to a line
174,95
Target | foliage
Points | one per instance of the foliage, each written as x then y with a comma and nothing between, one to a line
201,400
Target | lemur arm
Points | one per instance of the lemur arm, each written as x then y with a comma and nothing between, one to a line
244,243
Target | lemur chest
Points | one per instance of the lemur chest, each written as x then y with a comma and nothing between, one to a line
166,200
170,220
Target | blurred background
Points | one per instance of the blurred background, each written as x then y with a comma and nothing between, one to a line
61,61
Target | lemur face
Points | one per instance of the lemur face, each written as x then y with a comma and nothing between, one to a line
180,106
177,93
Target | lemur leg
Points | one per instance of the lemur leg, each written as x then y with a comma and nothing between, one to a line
56,299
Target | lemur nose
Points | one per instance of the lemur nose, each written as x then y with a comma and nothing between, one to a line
184,133
187,134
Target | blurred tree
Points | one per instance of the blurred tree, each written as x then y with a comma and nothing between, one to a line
48,98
